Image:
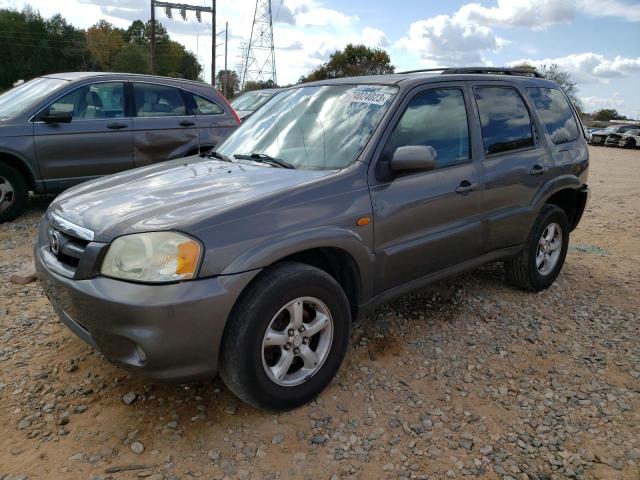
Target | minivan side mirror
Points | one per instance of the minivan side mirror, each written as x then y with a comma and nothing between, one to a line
413,158
56,117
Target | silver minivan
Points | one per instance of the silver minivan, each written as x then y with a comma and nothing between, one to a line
63,129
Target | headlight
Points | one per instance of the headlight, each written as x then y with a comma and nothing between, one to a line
152,257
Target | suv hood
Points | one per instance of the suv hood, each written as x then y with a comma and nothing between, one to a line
172,195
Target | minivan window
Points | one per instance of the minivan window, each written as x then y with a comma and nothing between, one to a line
18,99
158,100
437,118
313,127
100,100
505,120
555,112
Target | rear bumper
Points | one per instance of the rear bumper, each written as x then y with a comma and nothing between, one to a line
165,332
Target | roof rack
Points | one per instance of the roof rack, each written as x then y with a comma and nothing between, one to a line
479,70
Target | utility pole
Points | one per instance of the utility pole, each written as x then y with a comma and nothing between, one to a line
153,38
183,8
213,43
226,70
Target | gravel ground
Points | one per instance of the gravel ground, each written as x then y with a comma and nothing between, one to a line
470,378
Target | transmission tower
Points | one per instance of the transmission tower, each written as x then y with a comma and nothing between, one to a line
260,57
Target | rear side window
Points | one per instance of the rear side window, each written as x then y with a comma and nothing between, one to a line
204,106
505,120
158,100
555,112
437,118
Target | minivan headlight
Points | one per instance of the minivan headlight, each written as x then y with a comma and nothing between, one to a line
152,257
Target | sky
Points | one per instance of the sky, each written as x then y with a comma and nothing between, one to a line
597,41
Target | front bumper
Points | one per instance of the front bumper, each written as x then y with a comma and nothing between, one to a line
166,332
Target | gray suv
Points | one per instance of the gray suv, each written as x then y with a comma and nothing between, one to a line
66,128
336,196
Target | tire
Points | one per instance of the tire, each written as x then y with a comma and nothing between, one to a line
522,270
14,193
247,366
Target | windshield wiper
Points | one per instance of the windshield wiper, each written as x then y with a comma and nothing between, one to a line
218,155
263,158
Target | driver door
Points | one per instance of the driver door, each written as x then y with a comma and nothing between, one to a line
98,140
428,221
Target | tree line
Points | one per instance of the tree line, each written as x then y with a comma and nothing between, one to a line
31,45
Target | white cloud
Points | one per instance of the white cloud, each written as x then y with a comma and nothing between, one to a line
519,13
593,103
445,40
310,13
611,8
590,67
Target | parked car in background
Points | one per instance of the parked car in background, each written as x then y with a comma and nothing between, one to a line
63,129
630,139
336,197
599,137
248,103
613,139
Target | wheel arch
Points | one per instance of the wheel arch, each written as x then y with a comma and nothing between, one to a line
339,252
21,165
568,193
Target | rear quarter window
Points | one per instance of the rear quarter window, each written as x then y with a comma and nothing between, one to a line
555,112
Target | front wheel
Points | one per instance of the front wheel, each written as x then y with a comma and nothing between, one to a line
286,337
14,193
538,265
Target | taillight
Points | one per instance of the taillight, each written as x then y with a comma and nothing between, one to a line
235,114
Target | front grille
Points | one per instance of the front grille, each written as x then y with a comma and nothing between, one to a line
70,248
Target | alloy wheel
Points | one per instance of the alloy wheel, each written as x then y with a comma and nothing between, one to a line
297,341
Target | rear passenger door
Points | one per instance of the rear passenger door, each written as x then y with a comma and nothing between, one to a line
515,162
163,126
429,220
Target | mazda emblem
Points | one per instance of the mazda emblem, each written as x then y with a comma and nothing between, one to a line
55,242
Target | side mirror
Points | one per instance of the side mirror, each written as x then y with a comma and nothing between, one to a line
56,117
413,158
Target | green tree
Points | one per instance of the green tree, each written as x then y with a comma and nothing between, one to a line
104,42
132,58
607,114
231,78
33,46
258,85
353,61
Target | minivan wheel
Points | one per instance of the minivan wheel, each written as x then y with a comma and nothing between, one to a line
14,193
538,265
286,337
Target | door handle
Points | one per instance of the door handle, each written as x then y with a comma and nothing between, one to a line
116,126
538,170
466,187
187,123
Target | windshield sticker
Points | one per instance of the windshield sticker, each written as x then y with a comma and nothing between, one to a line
373,97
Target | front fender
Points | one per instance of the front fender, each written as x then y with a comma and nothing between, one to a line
270,251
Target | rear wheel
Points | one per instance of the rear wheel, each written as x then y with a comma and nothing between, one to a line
538,265
14,193
286,338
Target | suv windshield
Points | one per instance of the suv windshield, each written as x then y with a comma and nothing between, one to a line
313,127
24,96
251,101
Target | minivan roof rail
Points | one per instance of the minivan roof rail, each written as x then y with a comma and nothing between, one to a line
479,70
